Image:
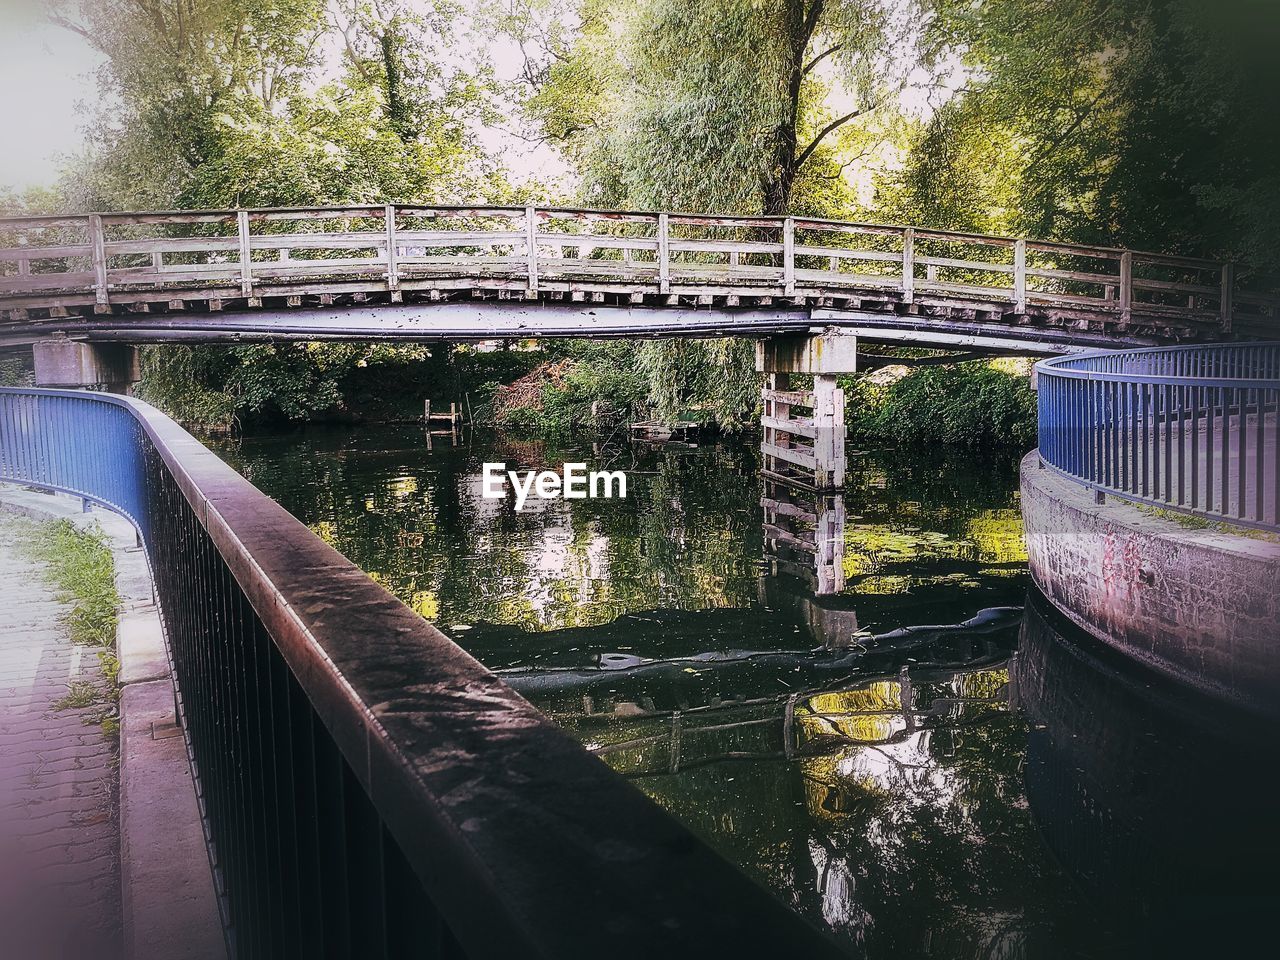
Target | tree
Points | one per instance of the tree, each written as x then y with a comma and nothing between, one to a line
1143,123
225,103
725,105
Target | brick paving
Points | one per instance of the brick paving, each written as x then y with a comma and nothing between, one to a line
59,829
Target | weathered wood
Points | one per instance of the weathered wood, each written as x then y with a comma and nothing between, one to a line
786,509
966,264
796,455
1224,300
799,398
496,249
664,253
1126,285
393,270
908,265
794,425
789,256
98,242
775,532
531,246
246,254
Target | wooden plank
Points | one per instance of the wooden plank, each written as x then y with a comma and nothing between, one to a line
794,425
118,248
971,290
799,456
48,281
785,509
246,254
1075,275
600,240
1126,285
1164,285
827,278
800,398
1224,300
97,242
908,265
978,265
1020,276
774,532
460,238
974,239
789,257
664,253
58,252
724,246
393,269
842,253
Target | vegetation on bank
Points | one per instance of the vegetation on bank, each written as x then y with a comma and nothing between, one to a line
975,404
79,564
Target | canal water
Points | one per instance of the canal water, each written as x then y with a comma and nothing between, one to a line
929,764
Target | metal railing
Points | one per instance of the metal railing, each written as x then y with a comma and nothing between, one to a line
368,789
211,255
1191,428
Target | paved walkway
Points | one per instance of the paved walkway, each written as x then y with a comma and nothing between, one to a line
59,833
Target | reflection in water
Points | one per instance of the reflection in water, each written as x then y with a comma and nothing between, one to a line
804,534
904,759
1160,803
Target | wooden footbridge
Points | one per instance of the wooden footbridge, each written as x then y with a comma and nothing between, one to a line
466,273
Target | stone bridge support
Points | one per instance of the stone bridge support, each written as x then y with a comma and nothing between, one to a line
74,364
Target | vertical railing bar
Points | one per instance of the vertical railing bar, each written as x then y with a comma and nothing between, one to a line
908,265
1020,276
1195,446
789,256
393,257
664,253
531,248
246,254
98,243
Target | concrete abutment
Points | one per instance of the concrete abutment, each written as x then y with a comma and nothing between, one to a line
1200,605
75,364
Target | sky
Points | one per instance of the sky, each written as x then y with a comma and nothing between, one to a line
46,80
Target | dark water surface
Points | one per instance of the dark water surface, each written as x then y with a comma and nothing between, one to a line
918,764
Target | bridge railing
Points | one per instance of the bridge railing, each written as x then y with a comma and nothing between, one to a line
368,789
390,248
1191,429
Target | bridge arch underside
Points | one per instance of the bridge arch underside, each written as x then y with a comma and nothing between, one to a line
940,326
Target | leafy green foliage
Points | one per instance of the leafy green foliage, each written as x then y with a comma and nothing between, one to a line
15,371
973,405
558,395
1144,123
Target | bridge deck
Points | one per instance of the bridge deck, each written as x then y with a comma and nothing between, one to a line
117,274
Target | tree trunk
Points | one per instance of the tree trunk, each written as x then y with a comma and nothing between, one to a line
801,20
397,108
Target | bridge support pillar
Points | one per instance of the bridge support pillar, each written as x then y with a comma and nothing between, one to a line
74,364
803,450
809,449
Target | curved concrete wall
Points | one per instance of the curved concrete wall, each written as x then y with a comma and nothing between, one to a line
1200,605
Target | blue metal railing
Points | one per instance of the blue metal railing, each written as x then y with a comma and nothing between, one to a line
368,789
1190,429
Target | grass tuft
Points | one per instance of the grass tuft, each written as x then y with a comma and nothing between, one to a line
80,566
